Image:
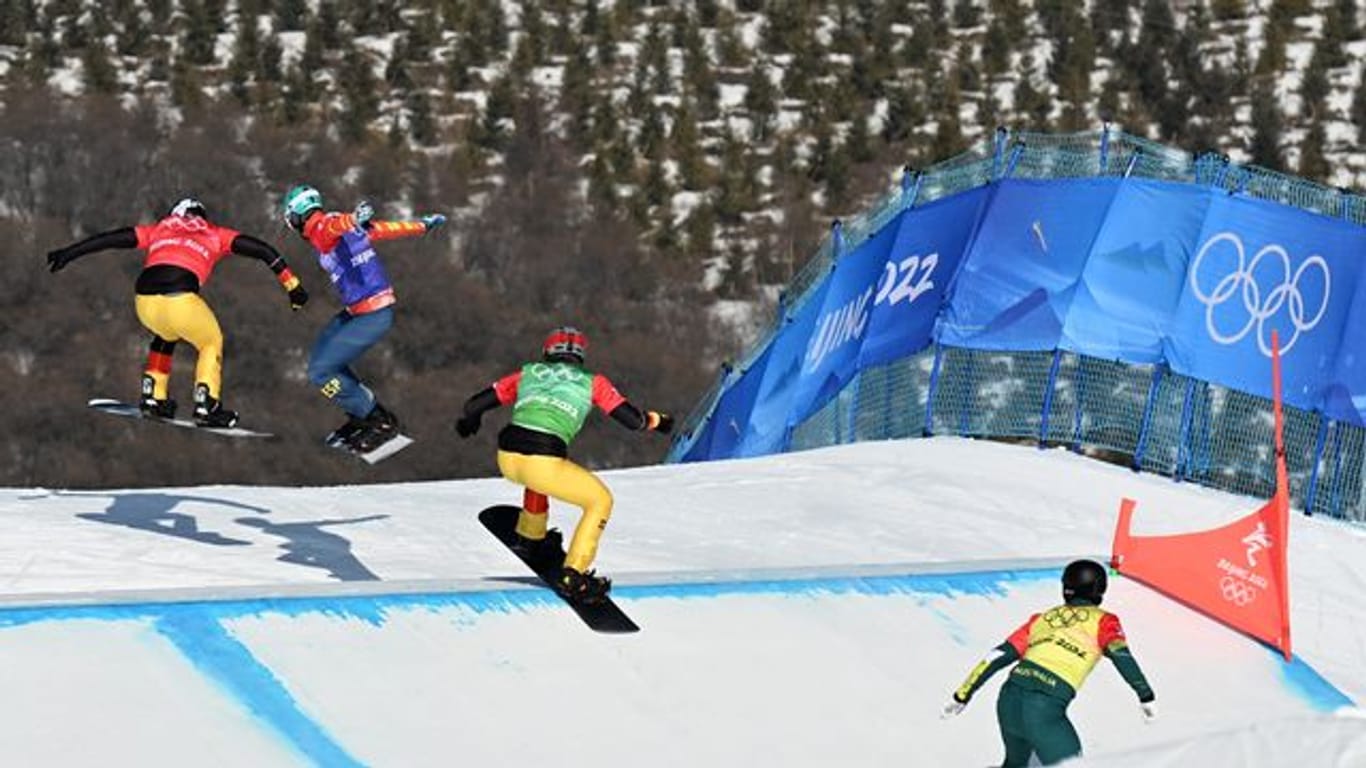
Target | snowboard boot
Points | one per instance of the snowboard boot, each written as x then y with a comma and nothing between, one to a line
347,432
208,412
583,587
378,428
540,550
150,405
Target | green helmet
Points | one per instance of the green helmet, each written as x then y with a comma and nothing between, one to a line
299,203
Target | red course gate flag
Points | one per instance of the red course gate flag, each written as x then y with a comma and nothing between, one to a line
1235,573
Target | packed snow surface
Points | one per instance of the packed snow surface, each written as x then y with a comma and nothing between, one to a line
806,609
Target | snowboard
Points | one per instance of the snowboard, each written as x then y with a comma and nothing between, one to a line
118,408
600,616
380,453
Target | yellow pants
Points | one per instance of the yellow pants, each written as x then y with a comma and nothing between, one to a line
185,316
564,480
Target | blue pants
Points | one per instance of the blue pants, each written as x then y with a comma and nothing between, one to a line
341,342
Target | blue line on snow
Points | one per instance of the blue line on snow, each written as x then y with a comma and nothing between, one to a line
227,662
196,628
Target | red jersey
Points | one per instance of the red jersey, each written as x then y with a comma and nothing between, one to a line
188,242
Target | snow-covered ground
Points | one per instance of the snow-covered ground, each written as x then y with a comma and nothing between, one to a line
798,610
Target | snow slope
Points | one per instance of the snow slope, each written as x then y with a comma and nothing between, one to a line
806,609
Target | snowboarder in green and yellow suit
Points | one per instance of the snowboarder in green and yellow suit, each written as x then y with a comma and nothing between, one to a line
550,401
1056,651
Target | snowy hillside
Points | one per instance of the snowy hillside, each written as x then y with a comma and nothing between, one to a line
809,608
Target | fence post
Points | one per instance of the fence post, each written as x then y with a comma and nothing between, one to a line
1133,161
1077,407
1015,152
965,413
998,152
1104,146
1048,396
934,388
1182,451
1335,505
1146,422
850,430
1314,472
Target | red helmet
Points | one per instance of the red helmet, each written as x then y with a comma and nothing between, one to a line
565,343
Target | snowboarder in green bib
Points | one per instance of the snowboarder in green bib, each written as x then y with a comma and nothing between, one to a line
550,401
1056,651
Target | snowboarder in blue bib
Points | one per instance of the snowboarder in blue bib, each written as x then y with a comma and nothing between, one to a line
345,246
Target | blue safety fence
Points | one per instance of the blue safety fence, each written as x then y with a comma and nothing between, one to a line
1042,330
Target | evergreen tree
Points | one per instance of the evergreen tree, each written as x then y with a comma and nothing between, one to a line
760,101
186,90
966,14
245,54
328,25
160,69
602,188
655,190
697,71
1229,10
270,69
98,72
1359,105
359,89
576,96
1344,19
533,33
948,134
996,48
421,125
458,76
134,35
651,138
857,141
161,12
685,148
897,126
292,14
1266,127
1274,35
1031,105
1313,165
1314,84
200,31
701,231
13,23
838,174
734,195
622,157
491,134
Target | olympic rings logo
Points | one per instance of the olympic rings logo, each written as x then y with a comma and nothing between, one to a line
1259,307
1237,592
543,372
1066,616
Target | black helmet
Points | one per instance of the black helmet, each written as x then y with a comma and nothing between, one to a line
188,206
1083,582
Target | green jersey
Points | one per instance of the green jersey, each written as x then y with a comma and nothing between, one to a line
554,398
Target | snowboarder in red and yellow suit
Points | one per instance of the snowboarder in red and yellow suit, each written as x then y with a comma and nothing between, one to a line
550,401
182,251
1056,651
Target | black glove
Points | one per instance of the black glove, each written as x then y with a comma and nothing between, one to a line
665,424
298,297
58,259
467,425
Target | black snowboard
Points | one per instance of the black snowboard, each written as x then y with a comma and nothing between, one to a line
600,616
128,410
